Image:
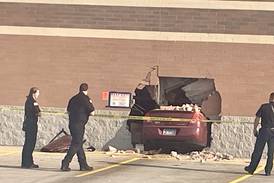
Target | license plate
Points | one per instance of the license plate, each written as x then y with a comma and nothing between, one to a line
169,132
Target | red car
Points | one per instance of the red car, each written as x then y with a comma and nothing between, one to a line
175,96
170,133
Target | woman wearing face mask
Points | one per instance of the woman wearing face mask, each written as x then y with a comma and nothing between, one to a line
32,112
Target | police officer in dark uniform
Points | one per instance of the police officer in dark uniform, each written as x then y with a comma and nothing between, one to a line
32,112
79,109
265,135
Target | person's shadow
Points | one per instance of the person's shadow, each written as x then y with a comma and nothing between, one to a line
121,140
35,169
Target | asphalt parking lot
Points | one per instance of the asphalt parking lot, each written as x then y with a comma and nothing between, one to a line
125,167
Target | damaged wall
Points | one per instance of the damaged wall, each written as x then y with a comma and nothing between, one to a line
233,138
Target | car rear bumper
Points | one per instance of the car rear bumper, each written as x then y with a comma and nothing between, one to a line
190,134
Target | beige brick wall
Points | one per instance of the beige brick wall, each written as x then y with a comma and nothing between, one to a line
242,72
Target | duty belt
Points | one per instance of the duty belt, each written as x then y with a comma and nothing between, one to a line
268,128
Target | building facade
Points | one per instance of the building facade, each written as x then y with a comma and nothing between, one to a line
113,44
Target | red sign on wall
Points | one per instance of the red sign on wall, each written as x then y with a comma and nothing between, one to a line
104,95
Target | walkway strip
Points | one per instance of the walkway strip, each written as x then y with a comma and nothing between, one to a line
240,179
5,154
108,167
197,4
137,35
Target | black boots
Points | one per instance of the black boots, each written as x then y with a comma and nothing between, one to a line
248,170
65,166
86,168
34,166
31,166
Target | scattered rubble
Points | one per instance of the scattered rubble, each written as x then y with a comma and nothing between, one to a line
91,148
147,156
121,152
112,149
152,152
130,151
174,154
201,156
208,155
184,107
139,148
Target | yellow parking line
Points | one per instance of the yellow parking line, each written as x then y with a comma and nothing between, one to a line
108,167
240,179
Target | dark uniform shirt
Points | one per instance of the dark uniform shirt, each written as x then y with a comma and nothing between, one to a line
79,109
32,112
266,112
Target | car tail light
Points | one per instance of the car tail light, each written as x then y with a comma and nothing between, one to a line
197,118
198,131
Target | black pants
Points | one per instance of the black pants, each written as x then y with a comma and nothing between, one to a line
265,136
77,133
28,148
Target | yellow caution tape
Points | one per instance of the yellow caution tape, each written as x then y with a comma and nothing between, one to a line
144,118
168,119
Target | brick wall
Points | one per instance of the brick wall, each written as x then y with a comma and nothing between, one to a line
138,18
242,72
